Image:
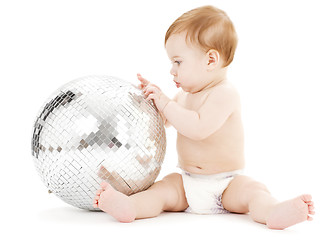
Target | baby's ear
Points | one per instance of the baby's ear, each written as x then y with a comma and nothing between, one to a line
213,57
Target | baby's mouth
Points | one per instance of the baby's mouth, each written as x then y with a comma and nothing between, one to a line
177,84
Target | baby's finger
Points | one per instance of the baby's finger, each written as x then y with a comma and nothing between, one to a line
143,80
151,97
150,90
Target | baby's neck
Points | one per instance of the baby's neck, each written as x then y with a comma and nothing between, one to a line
217,77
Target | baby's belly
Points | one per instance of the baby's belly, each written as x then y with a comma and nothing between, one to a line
213,167
199,158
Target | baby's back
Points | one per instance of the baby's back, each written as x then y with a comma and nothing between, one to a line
223,150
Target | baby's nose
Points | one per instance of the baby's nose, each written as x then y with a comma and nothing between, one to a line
173,72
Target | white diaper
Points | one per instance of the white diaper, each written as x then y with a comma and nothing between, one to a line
204,192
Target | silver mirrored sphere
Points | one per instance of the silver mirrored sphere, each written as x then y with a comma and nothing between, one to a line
94,129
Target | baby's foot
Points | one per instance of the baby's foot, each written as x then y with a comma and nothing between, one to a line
114,203
291,212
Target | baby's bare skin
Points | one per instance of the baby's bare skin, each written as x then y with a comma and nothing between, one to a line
222,151
207,117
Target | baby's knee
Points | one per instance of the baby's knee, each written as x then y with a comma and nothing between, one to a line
173,182
173,177
255,186
169,183
176,196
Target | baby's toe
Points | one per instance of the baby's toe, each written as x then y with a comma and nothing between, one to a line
104,186
312,212
311,205
306,198
99,192
311,208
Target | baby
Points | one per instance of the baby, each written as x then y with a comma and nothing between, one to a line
210,143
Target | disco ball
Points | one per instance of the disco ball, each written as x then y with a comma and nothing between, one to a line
94,129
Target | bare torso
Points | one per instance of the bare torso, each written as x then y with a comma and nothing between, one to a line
222,151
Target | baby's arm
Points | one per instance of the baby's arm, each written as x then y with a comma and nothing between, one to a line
200,124
196,125
175,99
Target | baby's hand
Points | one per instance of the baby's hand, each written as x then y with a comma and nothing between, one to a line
153,92
144,83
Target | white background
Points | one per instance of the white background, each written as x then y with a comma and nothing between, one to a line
281,69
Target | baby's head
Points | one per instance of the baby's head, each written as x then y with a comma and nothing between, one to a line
208,28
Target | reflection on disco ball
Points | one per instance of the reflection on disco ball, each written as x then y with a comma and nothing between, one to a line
95,129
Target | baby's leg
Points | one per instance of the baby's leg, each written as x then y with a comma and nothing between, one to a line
165,195
246,195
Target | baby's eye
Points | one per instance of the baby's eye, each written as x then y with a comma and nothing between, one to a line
177,62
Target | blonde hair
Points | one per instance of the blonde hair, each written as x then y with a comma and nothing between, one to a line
209,28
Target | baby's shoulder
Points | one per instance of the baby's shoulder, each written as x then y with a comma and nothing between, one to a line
223,90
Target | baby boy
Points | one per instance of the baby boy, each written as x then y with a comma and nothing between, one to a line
207,116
